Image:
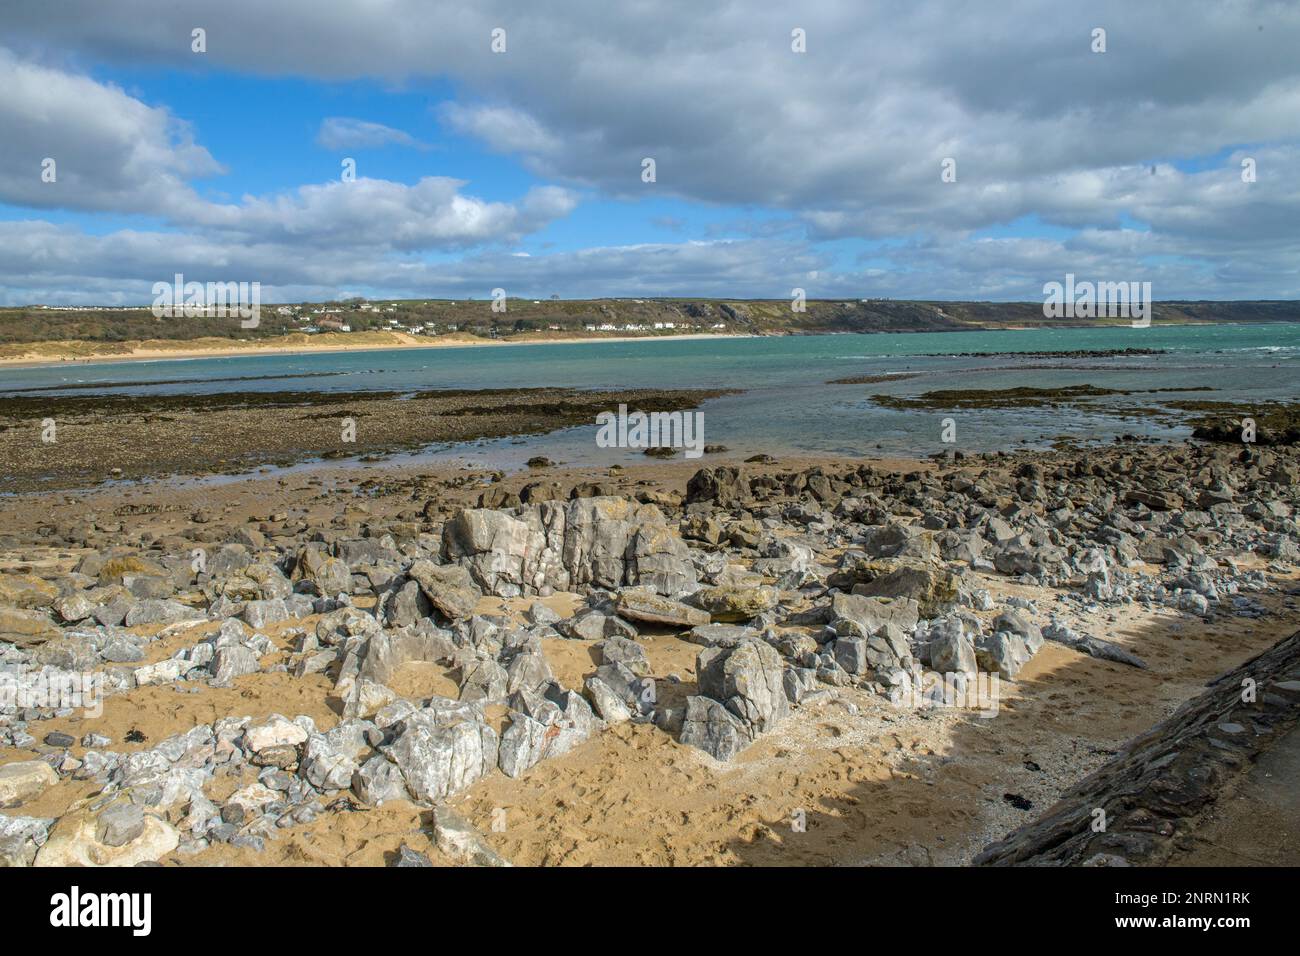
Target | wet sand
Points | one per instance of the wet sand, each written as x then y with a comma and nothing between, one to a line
66,441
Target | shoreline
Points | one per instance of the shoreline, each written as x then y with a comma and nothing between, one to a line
399,341
383,341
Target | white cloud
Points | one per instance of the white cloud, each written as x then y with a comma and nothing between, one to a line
502,128
115,154
342,132
111,151
376,214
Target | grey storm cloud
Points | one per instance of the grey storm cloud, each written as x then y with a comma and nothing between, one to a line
1136,150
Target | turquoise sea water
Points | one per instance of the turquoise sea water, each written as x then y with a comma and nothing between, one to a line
786,405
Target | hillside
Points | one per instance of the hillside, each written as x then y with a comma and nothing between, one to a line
530,319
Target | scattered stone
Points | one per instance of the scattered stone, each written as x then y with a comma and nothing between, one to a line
119,824
408,857
457,838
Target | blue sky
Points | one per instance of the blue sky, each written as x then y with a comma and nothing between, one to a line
775,168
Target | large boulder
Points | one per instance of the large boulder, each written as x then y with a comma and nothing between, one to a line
933,589
547,727
899,541
499,551
608,705
449,587
404,605
602,542
710,727
612,542
484,679
748,681
723,486
1003,653
26,628
735,603
26,591
1036,561
950,648
872,613
1015,622
333,578
443,749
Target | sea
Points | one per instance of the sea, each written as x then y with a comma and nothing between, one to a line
783,401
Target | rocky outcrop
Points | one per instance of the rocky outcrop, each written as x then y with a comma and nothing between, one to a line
601,542
1135,808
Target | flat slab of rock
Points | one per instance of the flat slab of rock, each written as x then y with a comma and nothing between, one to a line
655,609
26,591
872,613
74,842
721,635
1166,782
23,781
25,628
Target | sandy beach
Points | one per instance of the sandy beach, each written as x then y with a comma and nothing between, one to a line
57,353
848,778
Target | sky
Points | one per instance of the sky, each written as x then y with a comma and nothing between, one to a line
934,149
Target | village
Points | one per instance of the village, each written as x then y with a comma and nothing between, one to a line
360,315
